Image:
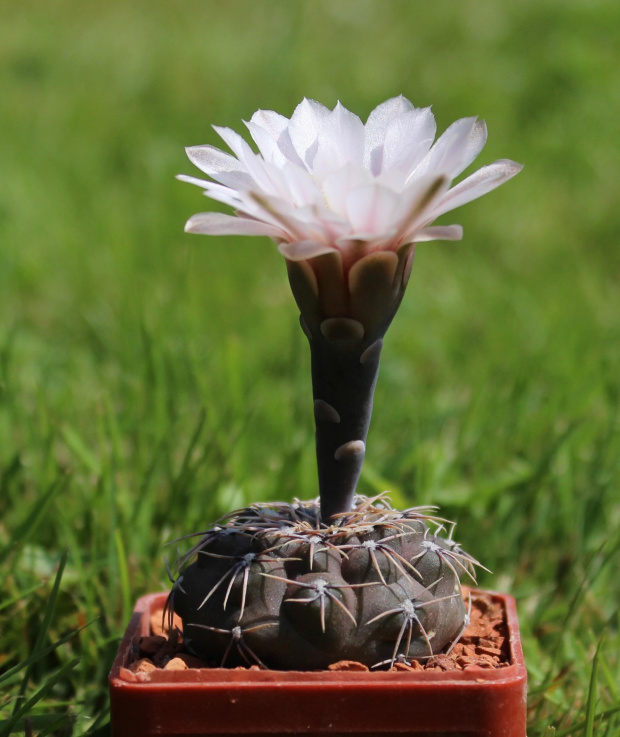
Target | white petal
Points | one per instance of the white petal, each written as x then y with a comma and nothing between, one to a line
305,124
302,188
438,233
217,192
267,145
477,184
302,250
221,166
204,183
233,140
319,223
340,142
216,223
271,122
300,223
475,144
267,175
285,144
343,131
253,163
418,201
352,241
228,197
338,183
455,148
408,138
377,124
372,209
276,126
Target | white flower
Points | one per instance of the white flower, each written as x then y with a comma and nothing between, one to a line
324,182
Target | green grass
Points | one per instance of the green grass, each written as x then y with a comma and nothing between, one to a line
150,381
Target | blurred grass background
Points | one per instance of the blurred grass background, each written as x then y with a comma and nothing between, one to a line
151,380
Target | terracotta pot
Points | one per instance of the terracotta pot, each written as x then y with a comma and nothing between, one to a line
219,701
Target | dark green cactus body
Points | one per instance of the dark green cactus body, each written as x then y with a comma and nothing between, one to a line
272,585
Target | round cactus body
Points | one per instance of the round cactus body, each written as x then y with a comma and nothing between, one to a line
273,586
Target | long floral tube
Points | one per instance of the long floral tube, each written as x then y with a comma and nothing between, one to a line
344,374
345,354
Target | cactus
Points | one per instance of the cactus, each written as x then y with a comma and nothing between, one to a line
274,586
304,585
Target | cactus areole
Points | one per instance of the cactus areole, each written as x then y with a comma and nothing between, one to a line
306,584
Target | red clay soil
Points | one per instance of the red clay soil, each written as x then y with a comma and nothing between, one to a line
484,644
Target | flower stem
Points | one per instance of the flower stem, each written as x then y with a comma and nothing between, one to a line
344,374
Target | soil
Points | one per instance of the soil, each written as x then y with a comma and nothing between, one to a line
484,645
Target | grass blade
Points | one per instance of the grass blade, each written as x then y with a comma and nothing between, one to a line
44,627
123,573
40,694
42,723
592,692
23,531
8,675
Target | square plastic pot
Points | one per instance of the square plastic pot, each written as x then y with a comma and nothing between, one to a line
219,701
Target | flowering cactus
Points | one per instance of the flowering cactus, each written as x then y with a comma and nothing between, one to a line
346,202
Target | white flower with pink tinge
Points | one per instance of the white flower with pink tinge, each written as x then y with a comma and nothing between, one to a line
323,181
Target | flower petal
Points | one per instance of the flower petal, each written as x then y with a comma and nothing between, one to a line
477,184
371,209
215,191
408,139
219,165
438,233
319,223
302,188
301,224
193,180
338,183
252,163
267,145
271,122
455,149
216,223
305,124
276,126
340,141
376,127
302,250
421,198
475,144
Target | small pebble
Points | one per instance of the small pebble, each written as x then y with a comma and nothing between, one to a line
347,665
144,665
